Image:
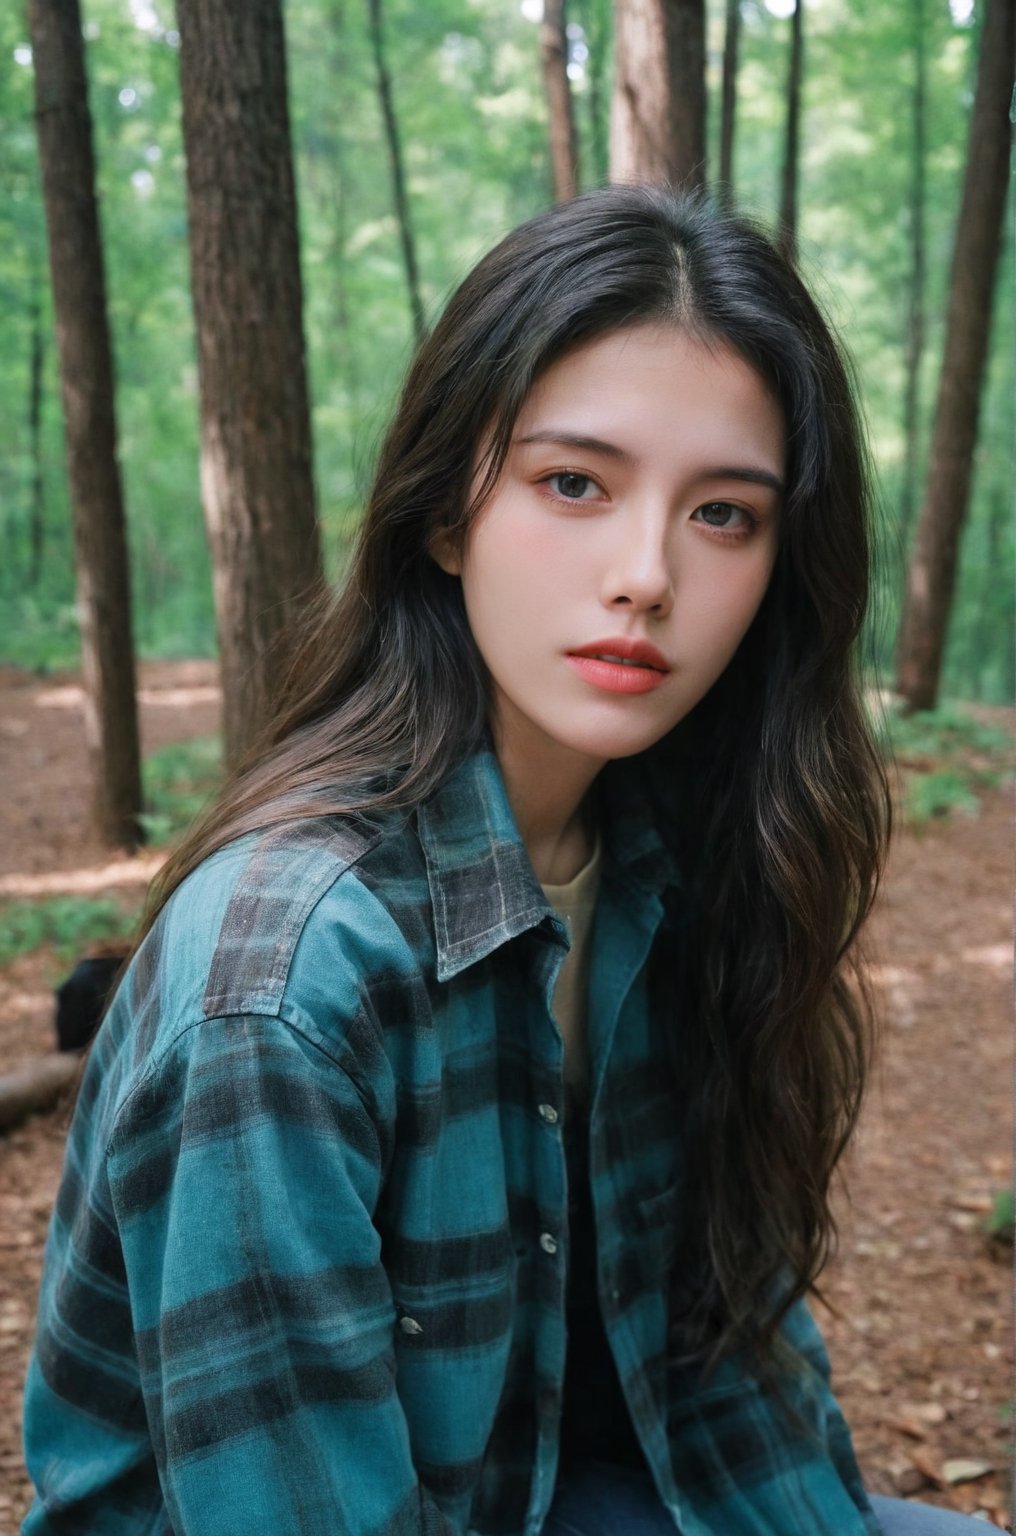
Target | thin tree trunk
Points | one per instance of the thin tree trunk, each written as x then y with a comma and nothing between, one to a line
791,150
564,153
914,347
597,25
86,379
657,126
728,110
256,469
399,194
932,575
341,181
36,488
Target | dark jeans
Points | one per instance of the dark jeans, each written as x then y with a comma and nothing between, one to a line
598,1500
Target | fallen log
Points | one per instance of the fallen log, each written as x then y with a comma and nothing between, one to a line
36,1087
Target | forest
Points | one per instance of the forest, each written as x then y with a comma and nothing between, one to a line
881,135
224,228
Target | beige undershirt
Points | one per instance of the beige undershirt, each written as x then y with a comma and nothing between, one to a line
575,904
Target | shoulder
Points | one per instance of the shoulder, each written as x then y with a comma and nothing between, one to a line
302,923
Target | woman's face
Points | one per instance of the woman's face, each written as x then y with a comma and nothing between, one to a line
627,543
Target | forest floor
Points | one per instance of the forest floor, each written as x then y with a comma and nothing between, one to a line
922,1348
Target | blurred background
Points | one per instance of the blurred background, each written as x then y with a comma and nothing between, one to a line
885,100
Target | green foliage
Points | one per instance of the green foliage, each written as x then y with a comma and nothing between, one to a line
467,88
947,756
179,780
938,793
67,924
1000,1222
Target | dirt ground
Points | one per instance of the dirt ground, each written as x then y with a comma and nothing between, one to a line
922,1346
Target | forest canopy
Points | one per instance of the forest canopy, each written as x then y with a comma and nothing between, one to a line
466,85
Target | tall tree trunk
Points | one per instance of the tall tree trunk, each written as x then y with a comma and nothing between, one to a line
596,23
657,126
564,153
914,346
256,471
728,110
36,487
791,150
932,575
86,381
394,141
340,182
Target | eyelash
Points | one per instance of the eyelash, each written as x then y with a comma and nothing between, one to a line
749,526
751,519
570,474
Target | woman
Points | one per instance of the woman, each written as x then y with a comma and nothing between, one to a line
455,1154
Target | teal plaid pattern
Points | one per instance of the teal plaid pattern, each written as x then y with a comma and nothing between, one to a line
306,1271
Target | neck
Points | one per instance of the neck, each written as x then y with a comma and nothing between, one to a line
547,793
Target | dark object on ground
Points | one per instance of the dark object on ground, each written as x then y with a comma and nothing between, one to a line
81,999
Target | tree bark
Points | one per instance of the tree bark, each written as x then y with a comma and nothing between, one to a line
36,487
932,574
87,387
596,22
564,154
256,468
914,344
728,110
657,128
787,239
399,193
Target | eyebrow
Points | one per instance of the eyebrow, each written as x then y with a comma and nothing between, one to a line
750,473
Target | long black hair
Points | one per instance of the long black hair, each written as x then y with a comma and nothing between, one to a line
784,807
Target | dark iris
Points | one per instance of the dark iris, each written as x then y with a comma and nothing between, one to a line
716,513
572,485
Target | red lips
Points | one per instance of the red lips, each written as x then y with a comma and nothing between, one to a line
617,674
627,648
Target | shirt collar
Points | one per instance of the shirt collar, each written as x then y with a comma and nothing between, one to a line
483,889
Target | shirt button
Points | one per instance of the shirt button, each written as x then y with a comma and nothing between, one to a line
409,1325
548,1113
548,1243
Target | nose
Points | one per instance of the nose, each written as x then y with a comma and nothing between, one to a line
639,574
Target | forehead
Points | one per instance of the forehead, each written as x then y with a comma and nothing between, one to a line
645,386
617,374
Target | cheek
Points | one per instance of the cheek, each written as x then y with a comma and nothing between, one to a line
512,571
726,598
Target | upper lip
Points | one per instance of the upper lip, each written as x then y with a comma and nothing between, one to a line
625,647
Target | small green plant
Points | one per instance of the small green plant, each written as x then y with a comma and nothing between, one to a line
179,781
947,757
1000,1222
69,924
939,792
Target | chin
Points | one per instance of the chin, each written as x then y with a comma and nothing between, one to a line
608,746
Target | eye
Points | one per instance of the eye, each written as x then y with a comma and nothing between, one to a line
572,486
725,517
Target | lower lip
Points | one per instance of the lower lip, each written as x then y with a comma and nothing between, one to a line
615,678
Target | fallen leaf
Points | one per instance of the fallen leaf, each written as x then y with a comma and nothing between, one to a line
927,1463
912,1427
962,1469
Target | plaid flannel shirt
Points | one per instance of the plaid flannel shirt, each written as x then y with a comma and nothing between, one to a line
306,1270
